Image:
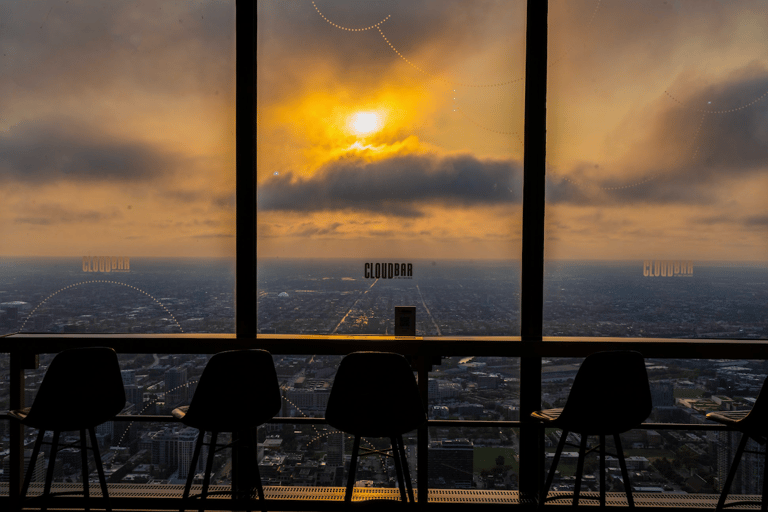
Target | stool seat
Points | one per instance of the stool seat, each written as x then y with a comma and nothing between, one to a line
610,395
82,388
375,394
237,392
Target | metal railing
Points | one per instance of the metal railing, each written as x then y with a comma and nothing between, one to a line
422,351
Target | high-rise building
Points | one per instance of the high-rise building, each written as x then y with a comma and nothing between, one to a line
450,463
335,454
175,386
38,475
749,475
172,449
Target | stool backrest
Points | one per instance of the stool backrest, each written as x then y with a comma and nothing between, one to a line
610,394
82,388
756,422
375,394
237,390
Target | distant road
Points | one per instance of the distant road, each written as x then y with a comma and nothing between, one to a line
352,307
157,361
439,333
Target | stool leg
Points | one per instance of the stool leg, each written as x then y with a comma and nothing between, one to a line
99,468
84,466
398,468
732,472
352,467
31,465
764,497
193,466
406,471
51,464
602,470
553,467
253,439
580,469
209,466
624,472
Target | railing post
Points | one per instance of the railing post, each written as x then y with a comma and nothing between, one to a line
532,268
19,362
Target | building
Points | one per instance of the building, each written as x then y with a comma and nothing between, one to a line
451,463
172,450
38,475
176,392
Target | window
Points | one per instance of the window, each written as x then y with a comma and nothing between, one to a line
117,167
389,166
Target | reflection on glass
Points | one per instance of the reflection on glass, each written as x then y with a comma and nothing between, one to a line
117,167
657,155
389,166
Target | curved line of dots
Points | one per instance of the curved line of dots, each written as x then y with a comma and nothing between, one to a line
300,411
437,77
704,111
485,127
98,281
347,28
130,424
381,457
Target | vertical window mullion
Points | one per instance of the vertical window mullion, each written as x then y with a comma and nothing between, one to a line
245,137
532,279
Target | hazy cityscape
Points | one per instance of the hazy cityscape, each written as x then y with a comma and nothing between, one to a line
452,298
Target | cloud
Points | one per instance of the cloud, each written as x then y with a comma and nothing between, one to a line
49,150
397,186
56,214
717,136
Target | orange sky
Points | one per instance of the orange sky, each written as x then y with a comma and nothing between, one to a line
116,128
657,129
117,136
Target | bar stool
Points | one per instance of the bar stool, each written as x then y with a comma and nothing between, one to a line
375,394
237,392
752,424
81,389
610,395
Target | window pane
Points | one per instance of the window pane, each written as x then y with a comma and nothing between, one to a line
656,219
389,165
117,167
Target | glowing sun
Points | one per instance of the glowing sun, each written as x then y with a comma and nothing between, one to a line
363,123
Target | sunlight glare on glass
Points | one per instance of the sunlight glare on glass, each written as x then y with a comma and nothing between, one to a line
364,123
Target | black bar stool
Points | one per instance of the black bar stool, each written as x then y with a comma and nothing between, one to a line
610,395
237,392
81,389
752,424
375,394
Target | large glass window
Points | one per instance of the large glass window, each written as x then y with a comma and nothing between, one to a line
389,166
117,167
657,160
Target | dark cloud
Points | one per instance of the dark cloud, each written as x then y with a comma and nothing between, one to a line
399,185
62,149
718,136
756,221
215,235
56,214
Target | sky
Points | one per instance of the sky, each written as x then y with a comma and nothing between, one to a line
657,129
386,129
117,128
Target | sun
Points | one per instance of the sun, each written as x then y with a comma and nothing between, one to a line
364,123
